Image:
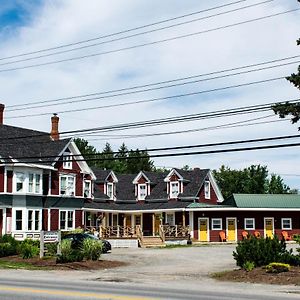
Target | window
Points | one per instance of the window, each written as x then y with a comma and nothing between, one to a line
174,189
34,183
67,160
67,185
142,191
66,219
216,224
18,219
20,178
33,220
37,183
170,219
249,223
87,189
286,223
30,183
207,189
110,190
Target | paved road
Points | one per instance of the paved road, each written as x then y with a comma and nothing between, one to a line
180,273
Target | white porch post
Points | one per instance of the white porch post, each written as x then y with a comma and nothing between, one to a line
3,221
191,223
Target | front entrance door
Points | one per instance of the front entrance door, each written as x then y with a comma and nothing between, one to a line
231,229
269,227
156,225
128,220
203,229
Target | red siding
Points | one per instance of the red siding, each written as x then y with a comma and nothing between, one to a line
54,183
54,219
79,185
213,197
241,215
1,179
141,180
78,219
45,220
9,181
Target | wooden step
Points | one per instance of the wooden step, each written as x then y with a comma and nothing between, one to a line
152,241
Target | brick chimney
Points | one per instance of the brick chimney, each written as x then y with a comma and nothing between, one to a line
54,129
2,106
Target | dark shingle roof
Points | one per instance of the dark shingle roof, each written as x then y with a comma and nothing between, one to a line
19,142
101,175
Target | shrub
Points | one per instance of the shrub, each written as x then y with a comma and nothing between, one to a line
277,267
51,248
91,249
28,248
248,266
260,251
68,254
7,249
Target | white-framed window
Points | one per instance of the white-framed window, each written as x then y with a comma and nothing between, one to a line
67,160
110,190
37,183
174,189
142,191
170,219
286,223
34,183
87,189
20,182
67,185
216,224
207,190
33,220
19,219
66,219
249,223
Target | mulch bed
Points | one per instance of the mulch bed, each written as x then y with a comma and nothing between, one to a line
50,264
259,275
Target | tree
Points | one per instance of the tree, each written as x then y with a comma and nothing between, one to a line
293,109
86,150
251,180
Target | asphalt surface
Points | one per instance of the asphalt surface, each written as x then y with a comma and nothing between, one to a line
179,273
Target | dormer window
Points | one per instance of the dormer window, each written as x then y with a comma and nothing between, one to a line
174,189
110,190
67,160
207,190
142,191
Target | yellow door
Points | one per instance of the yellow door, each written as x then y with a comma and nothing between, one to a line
269,227
128,220
203,230
231,230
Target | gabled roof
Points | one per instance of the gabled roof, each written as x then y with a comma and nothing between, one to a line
264,201
102,175
18,142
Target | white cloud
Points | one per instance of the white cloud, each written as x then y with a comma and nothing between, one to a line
60,22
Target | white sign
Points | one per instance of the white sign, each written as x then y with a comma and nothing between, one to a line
51,236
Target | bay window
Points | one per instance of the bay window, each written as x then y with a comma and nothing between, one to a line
20,179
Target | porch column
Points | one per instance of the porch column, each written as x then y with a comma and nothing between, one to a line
153,224
124,221
3,221
191,223
183,219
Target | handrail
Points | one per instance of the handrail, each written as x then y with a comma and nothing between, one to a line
175,231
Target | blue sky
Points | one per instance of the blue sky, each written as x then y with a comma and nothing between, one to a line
33,25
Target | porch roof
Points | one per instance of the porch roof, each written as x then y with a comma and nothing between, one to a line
264,201
102,206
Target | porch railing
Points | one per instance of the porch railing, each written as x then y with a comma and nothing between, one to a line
117,231
175,231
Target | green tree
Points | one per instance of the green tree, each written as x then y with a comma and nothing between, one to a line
251,180
87,151
293,109
121,159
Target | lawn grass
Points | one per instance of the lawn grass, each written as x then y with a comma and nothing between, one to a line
5,264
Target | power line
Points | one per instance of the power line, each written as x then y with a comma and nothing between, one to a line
149,43
150,100
169,148
21,107
123,31
134,35
169,120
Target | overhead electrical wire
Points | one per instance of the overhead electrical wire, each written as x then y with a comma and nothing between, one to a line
122,31
134,35
73,157
149,100
148,43
21,106
162,121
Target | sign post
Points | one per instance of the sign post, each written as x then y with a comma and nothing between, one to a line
50,237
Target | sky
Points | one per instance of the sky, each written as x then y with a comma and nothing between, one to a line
29,26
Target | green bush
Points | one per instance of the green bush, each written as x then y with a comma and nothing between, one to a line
248,266
277,267
28,248
260,251
91,249
51,248
6,249
68,254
